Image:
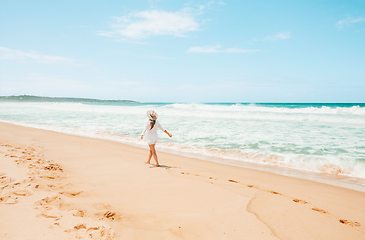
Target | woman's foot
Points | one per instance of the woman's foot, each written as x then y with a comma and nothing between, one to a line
147,162
157,165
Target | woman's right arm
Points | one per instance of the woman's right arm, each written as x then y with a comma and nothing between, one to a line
144,130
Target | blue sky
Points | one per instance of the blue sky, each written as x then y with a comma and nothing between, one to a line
184,51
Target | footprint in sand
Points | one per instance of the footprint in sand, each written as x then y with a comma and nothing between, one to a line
274,192
80,226
53,201
110,215
319,210
11,191
2,187
107,212
100,233
234,181
4,180
299,201
53,167
50,177
82,231
9,199
22,193
72,193
78,213
50,213
49,187
352,224
33,166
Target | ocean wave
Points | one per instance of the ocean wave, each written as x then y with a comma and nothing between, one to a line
351,115
351,168
238,107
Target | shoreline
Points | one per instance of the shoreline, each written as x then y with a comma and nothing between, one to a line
105,191
344,181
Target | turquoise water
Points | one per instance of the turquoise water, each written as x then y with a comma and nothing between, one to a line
313,137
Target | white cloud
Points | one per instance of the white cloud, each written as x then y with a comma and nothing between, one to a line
348,21
18,55
218,49
139,25
278,36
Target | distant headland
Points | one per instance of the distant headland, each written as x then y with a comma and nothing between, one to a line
30,98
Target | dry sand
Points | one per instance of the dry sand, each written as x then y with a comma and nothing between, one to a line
57,186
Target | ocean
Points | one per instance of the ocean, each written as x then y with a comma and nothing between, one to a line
327,139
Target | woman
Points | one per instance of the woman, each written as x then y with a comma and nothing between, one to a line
150,134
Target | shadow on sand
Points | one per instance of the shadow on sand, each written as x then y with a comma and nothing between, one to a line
161,166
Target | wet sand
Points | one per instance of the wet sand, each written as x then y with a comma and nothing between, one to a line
58,186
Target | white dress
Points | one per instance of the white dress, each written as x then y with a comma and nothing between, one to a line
150,135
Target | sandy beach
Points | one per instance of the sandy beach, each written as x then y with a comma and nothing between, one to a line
58,186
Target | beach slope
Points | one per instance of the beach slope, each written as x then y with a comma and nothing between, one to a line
58,186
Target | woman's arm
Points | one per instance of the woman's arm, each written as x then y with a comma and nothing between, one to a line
167,133
144,130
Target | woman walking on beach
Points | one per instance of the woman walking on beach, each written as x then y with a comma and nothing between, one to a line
151,136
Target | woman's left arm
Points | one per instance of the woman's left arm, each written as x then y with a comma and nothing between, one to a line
165,131
170,135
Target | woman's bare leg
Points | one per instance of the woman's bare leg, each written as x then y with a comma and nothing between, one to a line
149,157
154,154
